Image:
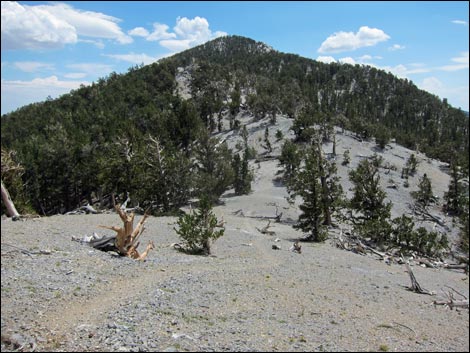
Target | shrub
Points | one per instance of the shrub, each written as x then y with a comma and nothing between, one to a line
198,229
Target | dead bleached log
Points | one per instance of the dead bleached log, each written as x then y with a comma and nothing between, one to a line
451,302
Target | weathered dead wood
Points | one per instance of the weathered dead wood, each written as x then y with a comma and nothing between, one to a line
296,247
415,287
421,211
8,202
24,251
451,302
426,262
126,239
265,230
456,267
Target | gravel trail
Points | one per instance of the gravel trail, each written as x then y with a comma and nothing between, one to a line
246,297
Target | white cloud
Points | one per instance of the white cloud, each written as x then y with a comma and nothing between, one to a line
89,23
463,58
458,96
403,71
395,47
97,43
347,41
462,63
32,66
186,33
431,84
134,58
160,31
18,93
139,32
94,69
196,29
176,45
326,59
460,22
347,60
31,27
53,26
75,75
365,58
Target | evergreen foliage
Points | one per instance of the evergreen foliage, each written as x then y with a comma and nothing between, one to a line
411,164
456,198
267,143
369,201
424,195
243,175
198,230
346,158
290,159
214,169
73,148
320,190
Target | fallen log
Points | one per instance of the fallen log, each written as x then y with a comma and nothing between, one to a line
265,230
451,302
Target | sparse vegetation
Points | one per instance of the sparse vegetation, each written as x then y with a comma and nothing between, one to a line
198,229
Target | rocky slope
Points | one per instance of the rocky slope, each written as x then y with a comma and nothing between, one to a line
60,295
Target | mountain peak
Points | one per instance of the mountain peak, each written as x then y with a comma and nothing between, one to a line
225,47
248,44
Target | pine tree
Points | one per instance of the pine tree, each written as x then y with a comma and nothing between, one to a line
290,158
243,176
308,186
320,190
411,164
369,201
457,195
214,170
424,195
346,158
198,230
266,141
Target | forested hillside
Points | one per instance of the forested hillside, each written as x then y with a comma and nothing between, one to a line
137,133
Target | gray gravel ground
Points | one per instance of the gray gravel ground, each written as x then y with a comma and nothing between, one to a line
60,295
246,297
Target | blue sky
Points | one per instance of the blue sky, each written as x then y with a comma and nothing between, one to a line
49,48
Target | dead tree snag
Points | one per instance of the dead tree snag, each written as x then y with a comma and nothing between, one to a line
126,238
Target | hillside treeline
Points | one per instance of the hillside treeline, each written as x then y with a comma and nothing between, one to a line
134,133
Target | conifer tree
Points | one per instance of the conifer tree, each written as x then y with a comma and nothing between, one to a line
214,171
457,195
308,186
243,176
369,201
424,195
411,165
290,158
346,158
320,190
198,230
266,141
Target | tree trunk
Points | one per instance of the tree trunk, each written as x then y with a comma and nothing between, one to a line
10,206
126,240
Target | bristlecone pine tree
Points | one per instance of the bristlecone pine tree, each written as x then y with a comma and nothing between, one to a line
319,188
369,201
243,176
198,230
424,195
457,195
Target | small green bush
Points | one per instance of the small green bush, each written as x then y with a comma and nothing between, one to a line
198,229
